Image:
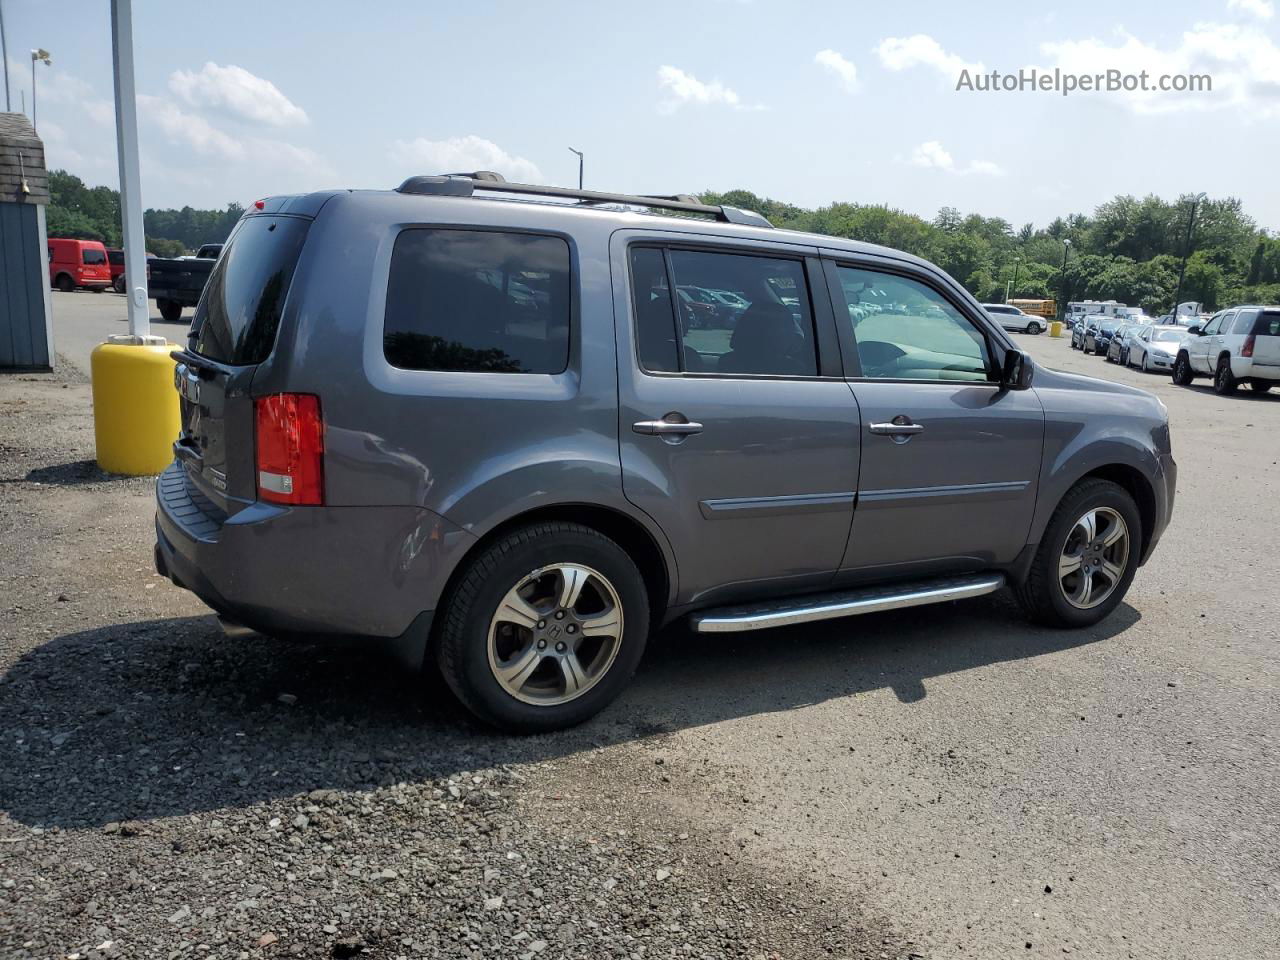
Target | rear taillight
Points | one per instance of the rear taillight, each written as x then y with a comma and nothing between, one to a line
290,442
1247,349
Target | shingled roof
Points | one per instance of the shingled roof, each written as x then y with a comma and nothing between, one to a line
21,160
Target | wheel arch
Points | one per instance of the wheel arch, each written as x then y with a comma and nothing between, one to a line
1138,486
654,559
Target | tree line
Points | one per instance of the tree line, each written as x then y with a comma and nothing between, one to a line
93,213
1129,250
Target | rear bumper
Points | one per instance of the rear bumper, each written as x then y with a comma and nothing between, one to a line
1247,368
366,571
188,298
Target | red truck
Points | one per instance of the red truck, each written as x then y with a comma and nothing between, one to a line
78,263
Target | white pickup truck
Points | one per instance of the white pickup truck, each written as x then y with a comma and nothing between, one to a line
1240,345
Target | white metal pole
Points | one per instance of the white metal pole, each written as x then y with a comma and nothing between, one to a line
135,263
4,60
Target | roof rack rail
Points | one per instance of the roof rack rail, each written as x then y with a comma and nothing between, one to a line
465,185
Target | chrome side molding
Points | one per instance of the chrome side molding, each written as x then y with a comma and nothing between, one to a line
846,603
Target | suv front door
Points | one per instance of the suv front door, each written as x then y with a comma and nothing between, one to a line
737,433
950,458
1202,347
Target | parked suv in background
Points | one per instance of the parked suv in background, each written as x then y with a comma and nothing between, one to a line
1240,345
1011,318
436,414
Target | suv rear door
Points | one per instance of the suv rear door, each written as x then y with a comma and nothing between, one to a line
738,435
234,330
950,459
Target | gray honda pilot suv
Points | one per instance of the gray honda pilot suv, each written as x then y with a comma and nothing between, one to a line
525,426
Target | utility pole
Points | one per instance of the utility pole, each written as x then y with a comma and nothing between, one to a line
1186,251
135,283
1066,248
579,153
4,60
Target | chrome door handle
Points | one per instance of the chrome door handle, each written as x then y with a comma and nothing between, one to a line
666,428
896,429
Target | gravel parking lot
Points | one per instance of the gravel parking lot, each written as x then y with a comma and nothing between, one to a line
941,782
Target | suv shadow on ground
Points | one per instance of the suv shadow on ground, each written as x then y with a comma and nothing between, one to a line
167,717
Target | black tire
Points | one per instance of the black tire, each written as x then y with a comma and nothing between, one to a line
65,283
462,635
1042,595
1224,381
1260,386
1146,367
1182,374
169,310
118,284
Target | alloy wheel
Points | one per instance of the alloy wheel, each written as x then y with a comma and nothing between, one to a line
555,634
1094,558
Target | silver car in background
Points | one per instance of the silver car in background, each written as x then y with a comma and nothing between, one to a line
1155,347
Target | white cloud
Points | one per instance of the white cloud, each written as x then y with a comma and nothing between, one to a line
188,128
921,50
237,91
1262,9
463,155
843,69
1243,62
685,88
931,154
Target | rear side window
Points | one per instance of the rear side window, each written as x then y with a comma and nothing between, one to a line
741,314
239,313
116,257
90,256
478,301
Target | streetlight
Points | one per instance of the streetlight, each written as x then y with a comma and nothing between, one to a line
579,153
1066,248
1017,261
1186,250
39,54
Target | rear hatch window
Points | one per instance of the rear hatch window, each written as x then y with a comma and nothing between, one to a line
1267,324
239,313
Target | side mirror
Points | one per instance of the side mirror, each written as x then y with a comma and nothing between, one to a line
1194,331
1017,370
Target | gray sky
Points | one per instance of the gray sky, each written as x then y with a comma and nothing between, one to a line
809,103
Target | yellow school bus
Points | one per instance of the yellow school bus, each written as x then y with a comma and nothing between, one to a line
1038,308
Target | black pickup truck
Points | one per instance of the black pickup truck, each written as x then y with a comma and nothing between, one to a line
177,282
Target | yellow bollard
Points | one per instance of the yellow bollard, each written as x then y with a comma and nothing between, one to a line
1055,328
135,405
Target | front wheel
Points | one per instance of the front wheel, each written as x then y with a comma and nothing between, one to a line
1087,557
1224,382
1182,374
544,628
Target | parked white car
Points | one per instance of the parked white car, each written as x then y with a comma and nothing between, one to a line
1240,345
1155,347
1011,318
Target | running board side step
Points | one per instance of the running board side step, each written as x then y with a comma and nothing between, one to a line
846,603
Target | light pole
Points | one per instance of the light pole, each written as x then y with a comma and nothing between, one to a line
40,54
1066,248
1012,284
1186,250
579,153
4,61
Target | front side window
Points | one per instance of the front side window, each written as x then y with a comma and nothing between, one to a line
742,314
479,301
905,330
89,256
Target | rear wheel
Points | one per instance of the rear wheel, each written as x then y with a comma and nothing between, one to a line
544,628
169,310
1224,382
1087,557
118,284
1182,374
65,283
